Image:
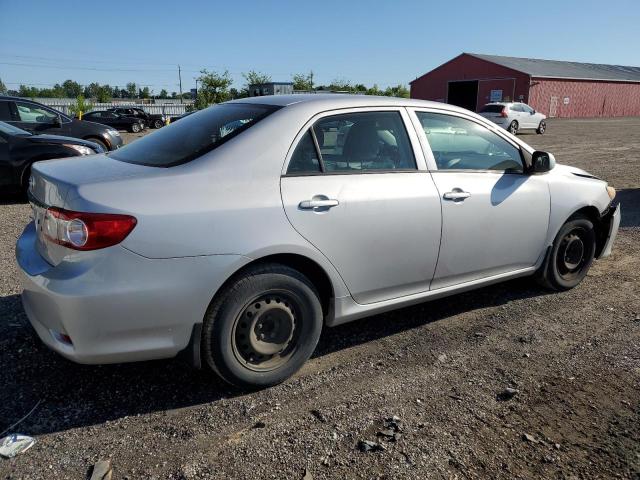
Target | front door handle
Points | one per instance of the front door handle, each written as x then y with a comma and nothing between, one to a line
320,203
457,195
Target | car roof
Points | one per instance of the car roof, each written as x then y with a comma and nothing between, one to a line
342,100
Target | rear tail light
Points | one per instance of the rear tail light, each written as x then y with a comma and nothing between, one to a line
86,231
504,113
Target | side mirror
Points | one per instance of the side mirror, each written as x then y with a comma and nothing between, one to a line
57,121
533,112
542,162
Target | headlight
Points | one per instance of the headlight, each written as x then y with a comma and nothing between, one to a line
81,149
612,192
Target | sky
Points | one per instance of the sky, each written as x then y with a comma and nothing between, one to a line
384,42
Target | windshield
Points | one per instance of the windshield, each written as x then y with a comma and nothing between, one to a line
11,130
193,136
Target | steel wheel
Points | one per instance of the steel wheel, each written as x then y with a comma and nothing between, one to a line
572,254
265,333
262,327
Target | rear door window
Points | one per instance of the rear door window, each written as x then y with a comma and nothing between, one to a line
359,142
193,135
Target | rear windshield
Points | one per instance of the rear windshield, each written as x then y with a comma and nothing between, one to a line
492,108
193,135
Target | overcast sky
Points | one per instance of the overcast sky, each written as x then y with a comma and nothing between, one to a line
386,42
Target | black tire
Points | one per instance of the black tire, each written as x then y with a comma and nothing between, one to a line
269,298
157,123
135,128
541,128
513,127
99,142
571,255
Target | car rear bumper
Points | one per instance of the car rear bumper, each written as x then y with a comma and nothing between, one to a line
115,305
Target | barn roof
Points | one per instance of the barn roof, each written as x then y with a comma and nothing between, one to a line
559,69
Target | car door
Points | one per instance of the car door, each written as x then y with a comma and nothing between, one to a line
494,216
529,117
516,113
355,186
6,167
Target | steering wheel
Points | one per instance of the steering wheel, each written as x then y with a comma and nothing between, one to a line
452,163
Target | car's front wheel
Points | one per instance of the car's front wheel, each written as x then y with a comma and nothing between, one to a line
513,127
570,256
135,128
541,128
157,123
262,327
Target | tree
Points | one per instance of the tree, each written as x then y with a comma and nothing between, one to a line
28,92
341,85
374,90
103,95
3,88
214,88
80,106
254,78
397,91
71,89
144,93
132,89
164,94
303,81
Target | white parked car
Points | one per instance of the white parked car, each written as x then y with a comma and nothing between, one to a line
515,116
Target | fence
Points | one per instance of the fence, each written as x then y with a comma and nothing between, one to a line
165,109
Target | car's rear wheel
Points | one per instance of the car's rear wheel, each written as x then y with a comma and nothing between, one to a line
157,123
570,256
513,127
262,327
541,128
135,128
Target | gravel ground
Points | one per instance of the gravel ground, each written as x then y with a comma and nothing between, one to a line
573,360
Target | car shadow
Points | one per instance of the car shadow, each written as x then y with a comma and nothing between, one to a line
629,199
12,198
73,395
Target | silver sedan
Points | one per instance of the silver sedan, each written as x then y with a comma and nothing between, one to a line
237,234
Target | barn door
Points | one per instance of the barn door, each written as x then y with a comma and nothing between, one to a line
553,107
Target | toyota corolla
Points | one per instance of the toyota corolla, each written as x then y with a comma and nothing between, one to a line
237,234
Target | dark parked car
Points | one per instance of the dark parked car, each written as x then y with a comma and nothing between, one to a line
114,120
19,149
38,118
175,118
154,120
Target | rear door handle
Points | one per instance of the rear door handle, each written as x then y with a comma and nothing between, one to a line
456,194
325,203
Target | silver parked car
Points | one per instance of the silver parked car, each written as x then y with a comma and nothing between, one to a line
515,116
238,233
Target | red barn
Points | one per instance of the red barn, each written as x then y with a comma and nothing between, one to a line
557,89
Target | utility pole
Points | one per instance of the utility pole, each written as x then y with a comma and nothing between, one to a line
311,79
180,80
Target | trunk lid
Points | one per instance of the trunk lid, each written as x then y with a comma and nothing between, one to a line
55,183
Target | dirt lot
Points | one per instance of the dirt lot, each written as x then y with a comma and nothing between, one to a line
573,357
